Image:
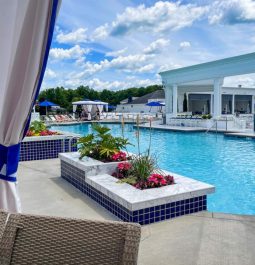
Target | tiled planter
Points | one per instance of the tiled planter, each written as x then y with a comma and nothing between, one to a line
130,204
89,166
47,147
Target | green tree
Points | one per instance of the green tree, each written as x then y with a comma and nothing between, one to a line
64,97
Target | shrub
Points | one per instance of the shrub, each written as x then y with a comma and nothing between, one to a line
38,128
100,144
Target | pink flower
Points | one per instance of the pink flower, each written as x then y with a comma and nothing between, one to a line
120,156
124,166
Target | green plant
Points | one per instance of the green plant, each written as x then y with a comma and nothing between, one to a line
142,171
37,126
142,166
101,144
185,103
206,116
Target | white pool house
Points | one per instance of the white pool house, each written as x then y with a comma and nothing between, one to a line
202,85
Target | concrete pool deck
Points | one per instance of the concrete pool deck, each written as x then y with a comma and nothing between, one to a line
165,127
198,239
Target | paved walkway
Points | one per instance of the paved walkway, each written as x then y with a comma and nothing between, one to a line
199,239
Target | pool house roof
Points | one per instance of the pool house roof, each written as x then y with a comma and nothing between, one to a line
205,73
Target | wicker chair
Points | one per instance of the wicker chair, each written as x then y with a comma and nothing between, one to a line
29,239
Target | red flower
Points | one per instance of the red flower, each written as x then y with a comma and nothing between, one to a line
120,156
155,181
124,166
29,133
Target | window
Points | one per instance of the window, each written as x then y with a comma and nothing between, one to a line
226,104
243,104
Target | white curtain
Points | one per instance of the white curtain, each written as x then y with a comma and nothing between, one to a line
100,108
26,29
84,107
89,107
74,108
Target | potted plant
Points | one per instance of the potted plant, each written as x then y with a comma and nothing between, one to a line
142,171
102,145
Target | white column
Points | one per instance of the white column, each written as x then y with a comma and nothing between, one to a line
180,102
217,97
252,104
168,99
211,105
175,98
233,104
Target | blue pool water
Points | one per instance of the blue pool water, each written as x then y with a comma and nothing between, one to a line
227,163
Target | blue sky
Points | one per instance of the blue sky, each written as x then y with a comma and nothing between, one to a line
118,44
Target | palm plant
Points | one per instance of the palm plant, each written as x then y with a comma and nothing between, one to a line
37,126
100,144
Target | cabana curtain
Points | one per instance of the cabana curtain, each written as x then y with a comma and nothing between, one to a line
89,107
26,29
74,108
100,108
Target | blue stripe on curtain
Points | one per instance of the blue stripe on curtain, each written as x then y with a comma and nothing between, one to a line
9,156
9,160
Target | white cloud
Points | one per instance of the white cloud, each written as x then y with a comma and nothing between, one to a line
184,45
98,84
243,80
129,63
77,36
146,69
160,17
101,32
116,53
76,52
50,74
168,66
156,46
232,12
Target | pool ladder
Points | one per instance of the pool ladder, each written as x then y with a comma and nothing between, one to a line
215,123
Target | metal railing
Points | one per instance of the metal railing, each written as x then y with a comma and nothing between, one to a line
216,127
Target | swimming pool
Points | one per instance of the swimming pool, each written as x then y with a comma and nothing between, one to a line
225,162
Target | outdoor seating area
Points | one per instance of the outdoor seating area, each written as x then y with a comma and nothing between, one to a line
33,239
59,118
199,238
104,117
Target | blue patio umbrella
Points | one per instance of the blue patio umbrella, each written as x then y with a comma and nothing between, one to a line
47,104
155,104
111,107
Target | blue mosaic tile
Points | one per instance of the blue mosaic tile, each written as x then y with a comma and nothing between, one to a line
143,216
46,149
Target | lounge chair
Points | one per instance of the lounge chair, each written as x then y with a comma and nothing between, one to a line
31,239
58,118
109,116
47,119
52,118
71,117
